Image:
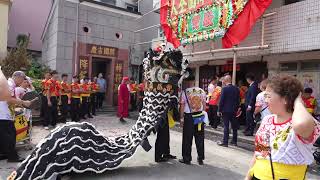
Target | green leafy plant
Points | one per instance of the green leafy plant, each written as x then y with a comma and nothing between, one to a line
37,70
18,58
37,85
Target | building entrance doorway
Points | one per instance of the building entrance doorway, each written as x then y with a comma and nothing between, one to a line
103,65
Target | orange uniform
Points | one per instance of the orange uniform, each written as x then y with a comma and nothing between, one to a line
75,87
94,87
43,86
133,88
65,88
311,104
53,87
86,88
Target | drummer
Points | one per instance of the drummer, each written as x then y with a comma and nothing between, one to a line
26,86
7,129
20,91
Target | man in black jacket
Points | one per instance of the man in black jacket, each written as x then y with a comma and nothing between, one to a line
228,106
250,104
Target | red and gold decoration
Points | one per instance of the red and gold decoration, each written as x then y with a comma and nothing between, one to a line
118,75
83,66
189,21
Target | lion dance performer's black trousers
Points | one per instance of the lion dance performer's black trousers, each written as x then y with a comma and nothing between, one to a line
85,105
65,108
51,112
75,109
93,101
190,130
162,146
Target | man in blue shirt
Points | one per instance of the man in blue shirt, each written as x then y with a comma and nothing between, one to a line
102,90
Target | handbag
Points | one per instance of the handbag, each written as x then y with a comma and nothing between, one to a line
257,117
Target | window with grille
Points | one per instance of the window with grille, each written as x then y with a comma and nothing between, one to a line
290,66
111,2
132,8
310,65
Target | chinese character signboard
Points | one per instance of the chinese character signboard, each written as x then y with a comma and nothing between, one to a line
102,50
118,74
190,21
83,66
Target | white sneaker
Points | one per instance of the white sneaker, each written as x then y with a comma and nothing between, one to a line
46,128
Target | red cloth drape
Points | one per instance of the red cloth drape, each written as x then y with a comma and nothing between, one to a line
170,35
123,101
243,24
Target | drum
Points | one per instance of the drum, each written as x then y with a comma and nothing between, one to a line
22,127
35,99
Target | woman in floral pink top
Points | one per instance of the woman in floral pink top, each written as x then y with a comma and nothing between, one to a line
284,140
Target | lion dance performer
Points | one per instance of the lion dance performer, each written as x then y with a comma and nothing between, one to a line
79,147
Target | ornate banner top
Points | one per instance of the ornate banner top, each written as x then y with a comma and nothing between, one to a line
190,21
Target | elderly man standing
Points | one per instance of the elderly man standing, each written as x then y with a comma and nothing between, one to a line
228,106
123,99
7,129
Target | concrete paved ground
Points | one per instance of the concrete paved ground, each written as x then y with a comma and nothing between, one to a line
220,163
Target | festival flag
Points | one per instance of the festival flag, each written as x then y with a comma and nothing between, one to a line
242,26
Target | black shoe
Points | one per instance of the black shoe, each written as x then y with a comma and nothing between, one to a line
222,144
83,118
3,157
122,120
90,116
94,114
233,144
214,127
200,162
248,133
161,160
169,156
184,162
17,159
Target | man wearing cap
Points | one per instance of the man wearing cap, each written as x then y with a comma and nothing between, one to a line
123,99
7,128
